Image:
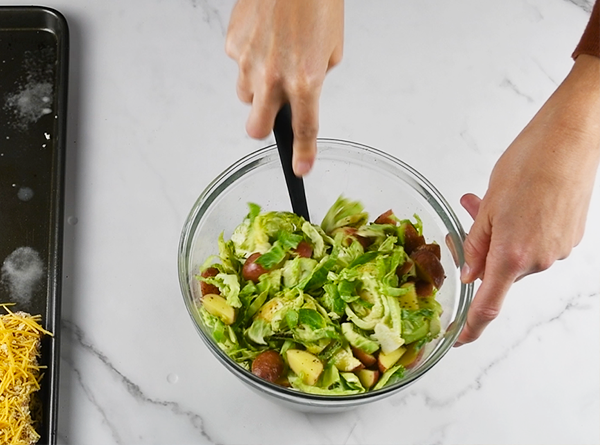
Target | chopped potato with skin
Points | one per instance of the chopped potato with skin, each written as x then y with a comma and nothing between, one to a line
305,365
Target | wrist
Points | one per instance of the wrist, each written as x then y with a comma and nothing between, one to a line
575,106
562,141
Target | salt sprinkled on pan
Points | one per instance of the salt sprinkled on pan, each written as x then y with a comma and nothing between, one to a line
22,271
25,194
30,102
33,94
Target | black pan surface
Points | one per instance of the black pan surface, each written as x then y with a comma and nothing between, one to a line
34,52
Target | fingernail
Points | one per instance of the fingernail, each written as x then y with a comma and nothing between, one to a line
465,273
458,345
301,168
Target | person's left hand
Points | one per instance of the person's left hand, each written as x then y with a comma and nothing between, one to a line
535,208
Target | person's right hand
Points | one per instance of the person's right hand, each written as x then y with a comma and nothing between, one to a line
536,205
283,49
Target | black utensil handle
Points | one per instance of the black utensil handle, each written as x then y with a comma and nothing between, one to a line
284,136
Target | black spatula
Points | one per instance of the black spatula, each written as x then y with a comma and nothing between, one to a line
284,136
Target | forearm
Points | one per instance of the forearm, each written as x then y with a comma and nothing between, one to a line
569,123
577,100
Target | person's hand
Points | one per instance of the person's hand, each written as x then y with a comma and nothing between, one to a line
535,208
283,49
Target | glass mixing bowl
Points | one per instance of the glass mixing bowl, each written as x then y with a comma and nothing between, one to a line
376,179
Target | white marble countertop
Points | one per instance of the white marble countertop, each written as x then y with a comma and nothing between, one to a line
154,116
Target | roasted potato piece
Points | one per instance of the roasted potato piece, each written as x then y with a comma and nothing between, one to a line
433,248
350,234
206,288
412,239
386,361
368,377
303,250
429,267
412,356
251,270
366,359
268,365
306,365
424,289
404,268
409,300
218,306
385,218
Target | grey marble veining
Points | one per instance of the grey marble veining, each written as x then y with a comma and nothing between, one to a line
586,5
111,417
575,303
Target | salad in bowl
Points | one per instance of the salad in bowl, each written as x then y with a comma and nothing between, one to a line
335,309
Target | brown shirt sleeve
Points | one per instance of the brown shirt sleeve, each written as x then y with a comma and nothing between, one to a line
590,40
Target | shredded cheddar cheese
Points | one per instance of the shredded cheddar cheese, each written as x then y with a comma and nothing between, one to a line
20,375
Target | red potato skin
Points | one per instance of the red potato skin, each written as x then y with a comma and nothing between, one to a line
375,378
433,248
429,268
410,358
251,271
268,365
412,239
404,268
283,381
365,242
416,360
385,218
207,288
366,359
423,288
303,250
350,232
359,367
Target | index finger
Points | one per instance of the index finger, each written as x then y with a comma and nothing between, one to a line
499,275
305,123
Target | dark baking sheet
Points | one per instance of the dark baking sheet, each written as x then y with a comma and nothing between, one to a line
33,98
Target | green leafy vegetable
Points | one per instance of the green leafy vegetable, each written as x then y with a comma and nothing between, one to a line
359,339
258,331
415,324
391,376
344,213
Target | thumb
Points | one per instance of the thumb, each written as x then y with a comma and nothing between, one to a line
477,243
471,204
